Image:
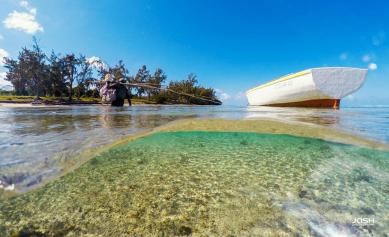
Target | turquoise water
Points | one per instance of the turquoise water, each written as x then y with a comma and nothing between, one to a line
36,142
212,184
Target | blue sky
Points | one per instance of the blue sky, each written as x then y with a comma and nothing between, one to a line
230,45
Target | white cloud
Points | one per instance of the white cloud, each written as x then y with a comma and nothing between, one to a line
93,59
96,62
3,54
33,11
24,21
350,97
367,57
5,85
240,95
343,56
28,7
378,39
222,95
372,66
24,4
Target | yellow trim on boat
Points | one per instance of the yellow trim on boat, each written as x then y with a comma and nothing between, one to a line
281,79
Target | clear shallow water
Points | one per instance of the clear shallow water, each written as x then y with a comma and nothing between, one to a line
212,184
35,142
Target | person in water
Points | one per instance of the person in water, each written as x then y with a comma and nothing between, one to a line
121,91
115,92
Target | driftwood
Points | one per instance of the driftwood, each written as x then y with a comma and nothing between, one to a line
164,88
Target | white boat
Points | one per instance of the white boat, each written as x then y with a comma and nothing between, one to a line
315,87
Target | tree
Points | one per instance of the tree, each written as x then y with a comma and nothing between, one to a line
14,76
33,73
38,68
99,70
185,86
141,77
190,84
31,68
28,72
119,71
84,76
156,80
57,75
188,92
71,63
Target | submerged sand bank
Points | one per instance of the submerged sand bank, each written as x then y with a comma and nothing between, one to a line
268,126
222,125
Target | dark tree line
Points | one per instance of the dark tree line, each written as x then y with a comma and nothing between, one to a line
34,73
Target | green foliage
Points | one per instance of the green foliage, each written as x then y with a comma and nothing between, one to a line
142,77
28,73
160,98
156,81
34,73
56,76
189,86
119,71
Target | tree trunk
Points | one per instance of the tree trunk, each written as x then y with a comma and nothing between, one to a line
70,93
78,93
36,90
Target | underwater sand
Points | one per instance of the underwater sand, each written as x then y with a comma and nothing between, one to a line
38,144
211,184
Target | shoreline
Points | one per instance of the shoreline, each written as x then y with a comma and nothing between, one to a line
15,104
12,100
260,126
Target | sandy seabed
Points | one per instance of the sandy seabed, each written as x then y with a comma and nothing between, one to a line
213,177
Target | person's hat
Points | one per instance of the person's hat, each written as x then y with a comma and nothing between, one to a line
108,77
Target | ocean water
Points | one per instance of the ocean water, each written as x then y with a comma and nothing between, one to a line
212,184
37,142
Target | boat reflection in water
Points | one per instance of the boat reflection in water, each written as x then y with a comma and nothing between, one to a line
324,117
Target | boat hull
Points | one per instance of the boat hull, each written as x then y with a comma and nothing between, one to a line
317,87
322,103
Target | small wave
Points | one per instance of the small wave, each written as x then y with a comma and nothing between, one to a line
13,162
